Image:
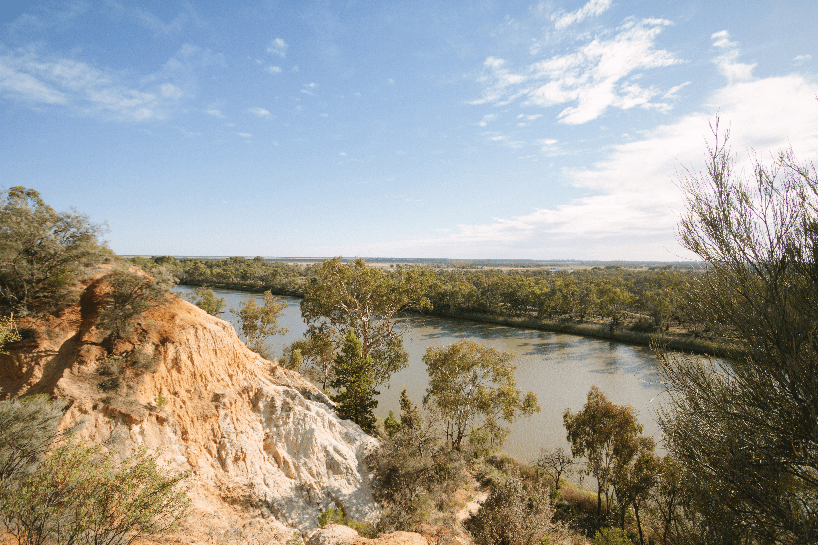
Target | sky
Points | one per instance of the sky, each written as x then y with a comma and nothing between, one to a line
463,130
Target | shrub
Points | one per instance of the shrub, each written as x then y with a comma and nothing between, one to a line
611,536
79,495
336,516
72,492
515,513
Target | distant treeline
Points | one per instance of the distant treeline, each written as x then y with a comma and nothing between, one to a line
610,301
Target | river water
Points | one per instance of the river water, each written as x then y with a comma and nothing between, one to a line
558,367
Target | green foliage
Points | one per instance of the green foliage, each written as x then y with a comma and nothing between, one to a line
473,387
605,434
611,536
53,490
410,417
132,292
515,513
204,298
42,252
416,475
260,322
354,384
27,427
78,495
336,516
314,355
745,429
355,297
8,331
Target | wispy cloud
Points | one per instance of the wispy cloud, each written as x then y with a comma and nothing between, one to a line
634,200
801,59
274,69
260,112
599,75
29,76
278,47
488,118
726,61
215,112
591,9
245,135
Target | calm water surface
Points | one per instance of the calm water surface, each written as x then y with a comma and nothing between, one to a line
559,368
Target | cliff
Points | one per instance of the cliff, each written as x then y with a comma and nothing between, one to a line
266,453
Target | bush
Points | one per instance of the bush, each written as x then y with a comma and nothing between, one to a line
611,536
132,293
515,513
42,252
74,493
336,516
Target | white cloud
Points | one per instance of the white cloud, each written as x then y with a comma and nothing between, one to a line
215,112
260,112
599,75
591,9
634,204
726,61
801,59
390,81
245,135
32,77
274,69
488,118
278,47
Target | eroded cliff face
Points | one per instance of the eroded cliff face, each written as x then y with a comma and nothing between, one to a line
258,439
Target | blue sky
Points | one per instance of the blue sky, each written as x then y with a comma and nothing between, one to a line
552,130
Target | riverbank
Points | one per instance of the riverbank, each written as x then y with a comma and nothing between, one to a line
666,341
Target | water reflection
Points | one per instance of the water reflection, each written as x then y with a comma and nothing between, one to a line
558,367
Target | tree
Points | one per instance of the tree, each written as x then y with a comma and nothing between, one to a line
204,298
260,322
132,292
474,389
604,433
42,252
410,417
555,462
27,427
313,355
634,479
365,300
745,428
354,384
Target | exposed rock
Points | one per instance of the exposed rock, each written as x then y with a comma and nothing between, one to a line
256,437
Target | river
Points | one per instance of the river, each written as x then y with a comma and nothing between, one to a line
558,367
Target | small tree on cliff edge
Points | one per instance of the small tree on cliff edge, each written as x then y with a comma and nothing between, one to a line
354,383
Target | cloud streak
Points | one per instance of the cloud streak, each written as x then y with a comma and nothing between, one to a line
599,75
31,77
591,9
634,203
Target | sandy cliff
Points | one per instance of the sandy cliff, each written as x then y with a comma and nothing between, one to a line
266,453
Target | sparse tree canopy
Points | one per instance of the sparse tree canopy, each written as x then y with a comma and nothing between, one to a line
204,298
260,322
555,463
365,300
474,389
746,429
42,252
132,292
605,434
